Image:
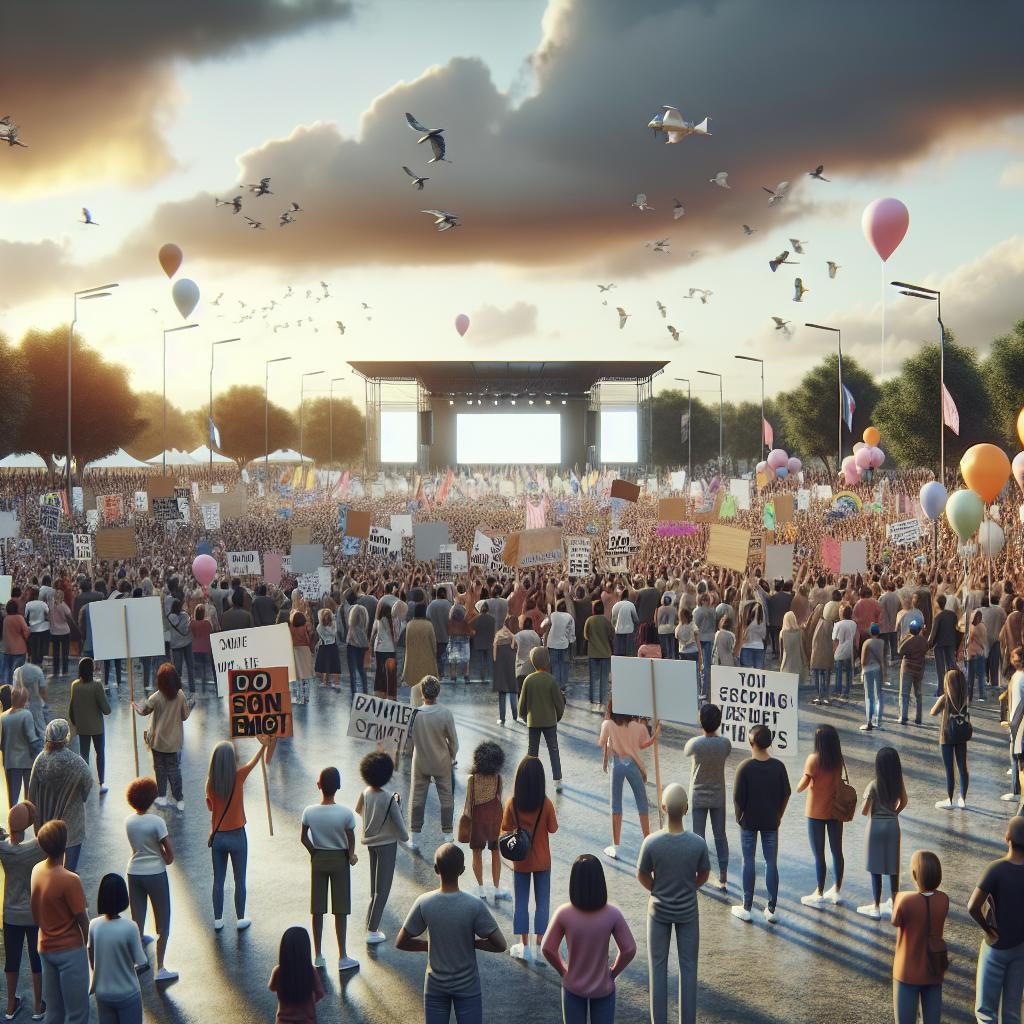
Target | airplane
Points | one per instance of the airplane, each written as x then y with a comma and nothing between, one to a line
671,122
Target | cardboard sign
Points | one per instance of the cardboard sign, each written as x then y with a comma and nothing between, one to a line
444,561
618,543
783,509
578,554
260,702
313,586
6,584
243,563
906,532
429,537
625,490
671,510
10,528
740,490
728,547
675,688
382,543
116,542
487,550
401,526
831,553
853,556
49,518
111,507
302,535
711,509
778,562
358,525
350,546
141,501
272,567
210,511
460,562
166,510
145,633
306,557
160,487
233,503
252,648
83,547
533,547
803,500
749,697
378,720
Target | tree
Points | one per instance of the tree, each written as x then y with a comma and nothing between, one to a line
349,431
182,429
14,395
810,413
908,415
240,422
1003,373
668,448
105,410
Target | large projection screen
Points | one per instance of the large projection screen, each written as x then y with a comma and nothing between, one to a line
524,438
619,436
398,435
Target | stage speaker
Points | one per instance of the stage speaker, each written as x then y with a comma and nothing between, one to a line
427,426
590,428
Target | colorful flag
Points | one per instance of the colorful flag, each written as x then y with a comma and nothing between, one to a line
442,494
849,408
950,413
214,435
769,434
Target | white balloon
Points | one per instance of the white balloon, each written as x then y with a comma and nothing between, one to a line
990,538
186,296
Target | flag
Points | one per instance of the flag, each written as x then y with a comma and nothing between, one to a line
536,514
214,435
442,494
950,413
684,427
310,480
849,408
769,434
421,497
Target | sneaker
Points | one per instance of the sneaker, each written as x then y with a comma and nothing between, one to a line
944,805
825,700
741,912
447,837
815,899
347,963
104,788
901,721
611,852
320,961
815,700
722,885
374,938
41,1013
520,952
833,896
180,804
1008,796
502,894
981,700
558,785
501,722
413,845
17,1009
243,923
165,975
961,802
870,910
770,916
886,907
162,801
866,728
218,924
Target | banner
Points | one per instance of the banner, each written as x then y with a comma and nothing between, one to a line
533,547
906,532
244,563
259,702
578,551
379,720
750,697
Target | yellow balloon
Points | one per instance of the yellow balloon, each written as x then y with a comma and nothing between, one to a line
985,468
1020,426
872,436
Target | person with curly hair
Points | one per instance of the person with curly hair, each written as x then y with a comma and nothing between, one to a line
482,817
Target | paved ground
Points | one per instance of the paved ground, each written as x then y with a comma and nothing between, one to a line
812,966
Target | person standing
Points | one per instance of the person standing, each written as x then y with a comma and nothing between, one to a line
525,640
706,623
435,746
15,639
561,635
874,668
588,923
791,646
457,925
625,737
460,636
912,650
37,618
166,736
328,657
86,710
482,643
599,637
823,772
625,621
708,755
20,742
996,905
822,656
420,648
301,652
482,811
116,955
328,834
844,641
954,733
977,656
294,980
541,705
179,627
884,800
761,792
920,918
61,621
1014,722
944,637
504,670
439,612
356,645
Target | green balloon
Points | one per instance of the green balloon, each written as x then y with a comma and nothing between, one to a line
965,511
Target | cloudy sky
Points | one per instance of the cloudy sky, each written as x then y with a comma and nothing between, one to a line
147,112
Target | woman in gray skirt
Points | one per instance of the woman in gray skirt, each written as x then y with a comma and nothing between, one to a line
884,799
504,684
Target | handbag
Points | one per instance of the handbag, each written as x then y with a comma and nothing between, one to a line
844,803
223,814
936,952
958,725
515,845
465,821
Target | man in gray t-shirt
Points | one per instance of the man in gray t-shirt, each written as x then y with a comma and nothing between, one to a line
673,865
457,925
709,754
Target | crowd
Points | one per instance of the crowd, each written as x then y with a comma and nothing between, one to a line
417,636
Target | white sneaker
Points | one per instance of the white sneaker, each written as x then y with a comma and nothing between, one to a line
961,802
741,912
886,907
347,963
870,910
448,837
165,975
815,899
180,805
501,722
320,961
520,952
770,915
104,788
612,852
373,938
833,896
243,923
218,924
944,805
161,801
413,845
1009,796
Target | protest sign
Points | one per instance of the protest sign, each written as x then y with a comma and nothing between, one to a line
710,508
24,547
343,511
750,697
92,520
460,562
783,509
49,518
301,535
401,526
83,547
144,636
618,543
350,546
10,528
853,556
533,547
677,479
740,490
429,538
6,584
674,689
444,561
358,525
379,720
183,496
243,563
671,510
256,647
272,567
675,529
259,702
625,490
803,500
233,503
160,487
778,562
210,511
906,532
141,501
380,543
306,557
314,585
61,545
728,547
110,507
77,500
831,553
487,550
578,552
116,542
823,492
166,510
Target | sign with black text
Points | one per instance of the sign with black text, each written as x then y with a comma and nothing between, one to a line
260,702
380,720
749,697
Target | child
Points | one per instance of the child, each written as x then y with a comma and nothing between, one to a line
328,657
328,833
116,954
482,813
383,829
297,985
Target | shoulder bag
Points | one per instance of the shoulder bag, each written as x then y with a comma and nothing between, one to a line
384,820
466,820
515,845
958,725
844,803
223,814
936,952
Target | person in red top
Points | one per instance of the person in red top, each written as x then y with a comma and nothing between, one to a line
201,649
225,783
15,634
821,777
866,611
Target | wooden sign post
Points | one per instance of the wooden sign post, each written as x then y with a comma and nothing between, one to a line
131,689
657,759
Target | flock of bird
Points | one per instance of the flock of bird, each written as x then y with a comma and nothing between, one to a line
260,188
434,137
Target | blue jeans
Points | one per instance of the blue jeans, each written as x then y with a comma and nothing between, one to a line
945,659
669,648
72,855
717,815
560,665
438,1006
356,657
959,751
578,1009
12,662
659,941
127,1011
910,682
873,696
485,660
66,985
819,676
1000,978
976,670
816,829
625,769
600,669
442,658
705,656
770,849
521,905
906,999
235,845
624,645
752,657
844,668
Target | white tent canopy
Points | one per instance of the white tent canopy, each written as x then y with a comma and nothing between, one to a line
23,460
285,456
118,460
202,454
174,457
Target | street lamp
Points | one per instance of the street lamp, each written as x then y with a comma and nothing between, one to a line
689,428
839,338
711,373
168,330
330,403
99,292
754,359
209,428
266,417
302,397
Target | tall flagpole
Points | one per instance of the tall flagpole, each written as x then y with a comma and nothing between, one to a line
839,456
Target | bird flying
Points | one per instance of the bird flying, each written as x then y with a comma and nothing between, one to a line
671,122
341,326
416,179
433,136
9,132
235,203
87,218
675,333
833,269
798,246
260,189
817,173
677,209
256,225
296,208
623,316
780,324
777,194
658,245
661,309
443,221
704,294
748,230
779,260
799,289
721,179
641,202
606,287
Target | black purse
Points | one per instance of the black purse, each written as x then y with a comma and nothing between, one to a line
515,845
958,726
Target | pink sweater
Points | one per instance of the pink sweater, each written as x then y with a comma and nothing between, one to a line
587,935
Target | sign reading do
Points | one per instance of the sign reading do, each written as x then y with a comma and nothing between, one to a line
260,702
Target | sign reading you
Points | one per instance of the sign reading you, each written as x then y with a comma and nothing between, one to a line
260,702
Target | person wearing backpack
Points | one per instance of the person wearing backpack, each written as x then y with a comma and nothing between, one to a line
954,733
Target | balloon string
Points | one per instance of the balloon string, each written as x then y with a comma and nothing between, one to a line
882,374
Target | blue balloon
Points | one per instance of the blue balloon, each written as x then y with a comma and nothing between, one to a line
782,472
203,547
933,497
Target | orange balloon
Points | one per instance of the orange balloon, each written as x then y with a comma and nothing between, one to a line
872,436
1020,426
985,468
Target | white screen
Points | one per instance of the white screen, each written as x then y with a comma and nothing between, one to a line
618,436
398,436
527,438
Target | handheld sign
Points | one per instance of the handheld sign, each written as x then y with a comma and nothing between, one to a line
260,702
749,697
379,720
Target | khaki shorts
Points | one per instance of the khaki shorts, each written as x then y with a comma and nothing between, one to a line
330,868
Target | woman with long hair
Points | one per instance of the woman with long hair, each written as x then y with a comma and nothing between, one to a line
723,648
791,642
86,710
504,679
884,799
977,655
754,632
357,641
328,658
166,736
952,705
298,625
384,640
225,784
295,982
822,774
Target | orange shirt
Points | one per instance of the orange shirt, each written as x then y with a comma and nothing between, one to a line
822,791
539,824
56,901
910,964
234,817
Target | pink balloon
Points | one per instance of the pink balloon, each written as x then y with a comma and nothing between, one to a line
847,462
794,465
777,458
877,457
863,459
857,447
852,475
204,568
762,466
885,223
462,324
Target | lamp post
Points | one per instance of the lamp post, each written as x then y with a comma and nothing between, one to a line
169,330
99,292
839,338
302,399
689,428
209,429
330,405
754,359
711,373
266,417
